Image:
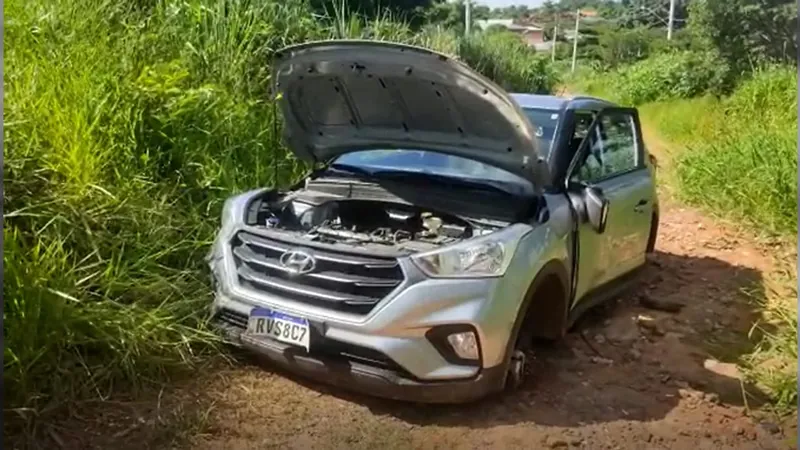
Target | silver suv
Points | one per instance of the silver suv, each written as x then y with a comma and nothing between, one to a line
447,225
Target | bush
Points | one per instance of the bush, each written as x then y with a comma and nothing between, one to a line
589,81
747,33
664,76
620,46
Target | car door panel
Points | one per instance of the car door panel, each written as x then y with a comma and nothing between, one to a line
626,242
590,251
638,218
611,159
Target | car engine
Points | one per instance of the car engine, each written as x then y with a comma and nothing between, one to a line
363,222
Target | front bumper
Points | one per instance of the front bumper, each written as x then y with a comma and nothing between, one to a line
387,351
368,379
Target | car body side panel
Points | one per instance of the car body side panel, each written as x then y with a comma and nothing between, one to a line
628,240
591,255
622,240
547,243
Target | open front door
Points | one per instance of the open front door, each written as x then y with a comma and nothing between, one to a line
614,191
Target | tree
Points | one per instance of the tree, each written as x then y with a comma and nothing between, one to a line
618,46
650,13
453,14
511,12
746,32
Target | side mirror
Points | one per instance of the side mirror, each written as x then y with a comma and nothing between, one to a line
596,208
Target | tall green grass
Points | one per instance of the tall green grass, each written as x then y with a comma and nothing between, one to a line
503,58
663,76
684,121
772,365
744,165
127,124
125,128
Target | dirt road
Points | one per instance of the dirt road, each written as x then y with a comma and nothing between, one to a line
629,376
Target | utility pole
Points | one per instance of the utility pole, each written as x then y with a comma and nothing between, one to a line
467,18
575,40
555,35
671,19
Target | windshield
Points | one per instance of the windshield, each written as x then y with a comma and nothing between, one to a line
544,124
429,162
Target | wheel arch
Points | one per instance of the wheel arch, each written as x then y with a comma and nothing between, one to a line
553,278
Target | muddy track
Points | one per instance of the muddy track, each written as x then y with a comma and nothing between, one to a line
638,373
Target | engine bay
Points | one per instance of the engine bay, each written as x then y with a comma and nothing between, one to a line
359,222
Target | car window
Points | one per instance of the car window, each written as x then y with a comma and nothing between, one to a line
611,149
545,122
425,161
583,120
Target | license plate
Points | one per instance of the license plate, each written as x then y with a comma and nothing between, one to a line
279,326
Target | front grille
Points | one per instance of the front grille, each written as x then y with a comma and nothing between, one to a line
322,346
232,318
340,281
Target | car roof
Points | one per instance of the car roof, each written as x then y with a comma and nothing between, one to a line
557,103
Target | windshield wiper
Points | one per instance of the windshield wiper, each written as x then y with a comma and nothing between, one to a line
353,170
440,179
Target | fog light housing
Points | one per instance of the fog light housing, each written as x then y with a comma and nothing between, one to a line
457,343
465,345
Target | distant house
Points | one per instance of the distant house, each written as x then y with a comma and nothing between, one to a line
529,33
566,21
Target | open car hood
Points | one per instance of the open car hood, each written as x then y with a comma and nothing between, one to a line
342,96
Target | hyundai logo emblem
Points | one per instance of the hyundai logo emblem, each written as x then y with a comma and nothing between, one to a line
298,261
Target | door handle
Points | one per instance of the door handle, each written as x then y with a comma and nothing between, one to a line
639,208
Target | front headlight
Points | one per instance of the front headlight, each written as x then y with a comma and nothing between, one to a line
233,210
232,216
227,223
486,256
228,215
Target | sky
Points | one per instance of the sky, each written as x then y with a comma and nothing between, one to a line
504,3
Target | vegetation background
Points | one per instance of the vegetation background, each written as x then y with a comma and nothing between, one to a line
127,124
